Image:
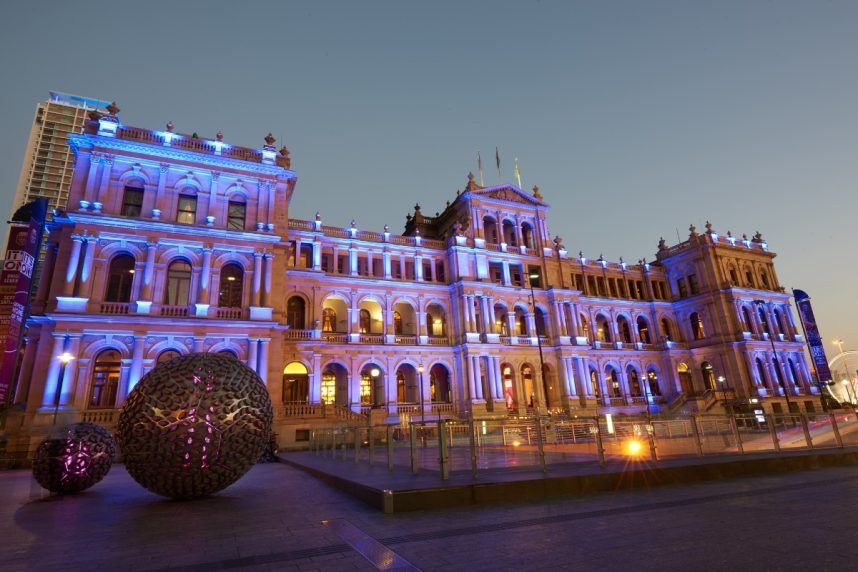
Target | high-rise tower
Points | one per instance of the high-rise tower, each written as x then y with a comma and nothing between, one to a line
49,162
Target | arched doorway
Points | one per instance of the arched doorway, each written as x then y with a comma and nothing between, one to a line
335,385
612,377
296,383
105,380
406,384
550,388
439,384
652,382
528,385
508,377
685,383
635,388
295,313
708,375
372,391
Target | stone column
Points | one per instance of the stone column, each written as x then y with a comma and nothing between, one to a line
472,384
149,271
205,276
385,256
369,271
214,198
253,354
52,378
506,276
163,170
257,279
86,270
531,325
317,255
263,360
68,384
486,318
335,253
104,184
266,291
490,302
89,190
418,268
72,268
136,371
353,261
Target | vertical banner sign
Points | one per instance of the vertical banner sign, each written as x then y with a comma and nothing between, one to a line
22,252
814,340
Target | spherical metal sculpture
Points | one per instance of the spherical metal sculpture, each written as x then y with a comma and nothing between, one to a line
194,425
74,458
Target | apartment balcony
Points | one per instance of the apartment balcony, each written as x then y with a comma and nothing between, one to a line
298,334
229,313
371,338
174,311
115,308
405,340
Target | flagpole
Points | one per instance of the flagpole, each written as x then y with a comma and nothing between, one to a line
480,168
497,162
517,173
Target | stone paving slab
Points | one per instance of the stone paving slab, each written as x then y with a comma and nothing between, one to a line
272,520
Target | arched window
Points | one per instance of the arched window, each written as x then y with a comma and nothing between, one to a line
105,380
132,199
120,277
166,356
746,317
328,390
539,320
613,380
329,320
779,322
625,331
749,278
685,381
437,325
296,382
508,385
178,283
634,383
231,286
793,370
764,278
643,330
295,313
397,323
779,373
594,383
603,329
761,312
696,326
236,212
527,235
761,371
490,230
585,326
652,381
734,277
509,233
520,322
364,321
400,387
527,385
439,384
708,375
665,330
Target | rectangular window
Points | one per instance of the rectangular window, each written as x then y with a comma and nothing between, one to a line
632,289
640,287
601,282
326,262
235,215
515,275
132,202
187,209
612,284
496,272
591,286
537,271
692,284
439,271
680,285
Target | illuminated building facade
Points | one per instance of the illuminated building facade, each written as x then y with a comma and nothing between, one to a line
173,244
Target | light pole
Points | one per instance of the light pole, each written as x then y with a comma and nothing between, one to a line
65,358
850,397
531,278
647,396
775,361
374,373
422,409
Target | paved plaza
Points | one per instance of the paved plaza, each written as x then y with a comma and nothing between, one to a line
278,518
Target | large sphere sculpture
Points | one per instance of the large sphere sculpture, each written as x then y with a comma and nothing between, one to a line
194,425
74,458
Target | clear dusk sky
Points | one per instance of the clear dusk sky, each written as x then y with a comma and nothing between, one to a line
635,119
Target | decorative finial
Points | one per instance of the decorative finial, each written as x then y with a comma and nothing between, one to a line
219,136
729,234
470,176
744,236
758,237
353,223
94,115
169,127
662,244
318,215
581,254
270,140
112,109
709,227
536,194
558,242
284,151
692,231
622,261
417,207
386,228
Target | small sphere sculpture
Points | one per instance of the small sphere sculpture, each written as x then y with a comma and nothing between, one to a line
194,425
74,458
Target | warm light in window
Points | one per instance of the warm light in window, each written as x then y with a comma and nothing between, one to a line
228,278
374,372
131,271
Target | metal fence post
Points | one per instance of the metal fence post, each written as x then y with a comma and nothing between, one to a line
653,449
806,428
540,444
389,447
774,432
357,443
600,448
837,438
442,450
370,433
413,439
735,427
698,444
473,443
333,443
